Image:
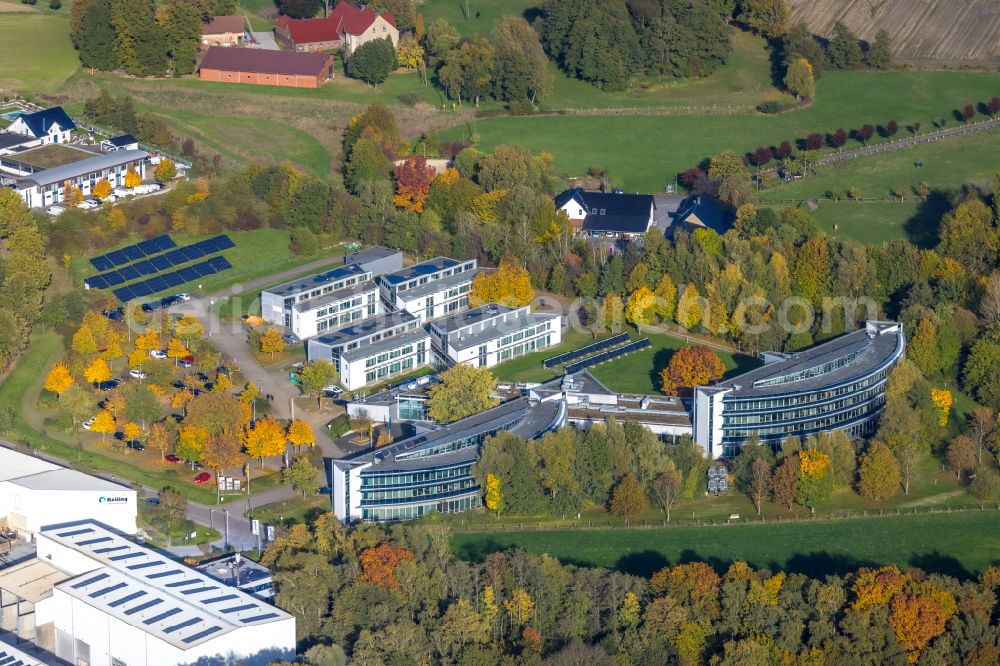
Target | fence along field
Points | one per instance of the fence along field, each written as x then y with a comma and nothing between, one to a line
931,33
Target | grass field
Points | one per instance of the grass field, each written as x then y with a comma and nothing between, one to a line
482,13
646,152
52,155
35,52
947,165
959,544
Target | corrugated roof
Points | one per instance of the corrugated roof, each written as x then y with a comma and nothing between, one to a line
221,25
264,61
75,169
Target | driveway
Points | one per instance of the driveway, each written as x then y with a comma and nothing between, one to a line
265,40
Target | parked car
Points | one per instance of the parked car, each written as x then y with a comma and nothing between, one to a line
167,301
137,373
109,385
186,362
290,339
89,422
184,297
151,306
136,446
158,353
56,210
121,192
89,204
332,391
203,477
325,490
154,501
111,198
171,458
114,315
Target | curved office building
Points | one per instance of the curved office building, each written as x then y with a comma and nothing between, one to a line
432,471
837,385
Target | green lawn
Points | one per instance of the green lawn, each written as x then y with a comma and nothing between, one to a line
240,304
35,51
528,368
295,510
646,152
947,165
960,544
482,13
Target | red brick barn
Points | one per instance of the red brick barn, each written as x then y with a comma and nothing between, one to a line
266,67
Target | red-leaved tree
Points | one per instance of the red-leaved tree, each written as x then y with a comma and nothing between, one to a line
378,565
814,141
689,367
413,183
838,138
784,150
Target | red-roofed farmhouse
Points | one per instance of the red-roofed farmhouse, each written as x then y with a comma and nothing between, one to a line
347,26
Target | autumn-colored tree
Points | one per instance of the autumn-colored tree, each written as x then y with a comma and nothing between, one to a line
494,499
464,390
690,307
272,341
104,423
785,483
760,481
378,564
300,433
83,341
181,399
667,491
97,372
59,379
176,350
413,183
815,478
942,399
715,318
265,439
666,299
628,499
384,438
520,607
922,347
132,179
639,310
695,585
614,312
223,450
160,439
409,53
191,442
509,284
961,456
878,473
918,618
148,341
165,171
689,367
101,188
71,195
188,327
131,431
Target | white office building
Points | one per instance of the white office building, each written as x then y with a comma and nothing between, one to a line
374,350
35,493
317,294
431,289
44,187
127,605
491,334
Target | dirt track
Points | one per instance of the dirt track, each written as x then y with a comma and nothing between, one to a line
926,33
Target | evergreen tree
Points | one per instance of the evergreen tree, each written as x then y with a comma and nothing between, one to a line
98,42
843,51
879,54
373,61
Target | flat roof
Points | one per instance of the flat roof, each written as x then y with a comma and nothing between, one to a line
440,284
223,568
335,296
365,328
12,656
502,328
14,464
423,268
32,580
314,281
869,349
459,320
11,139
372,254
152,592
387,344
68,479
84,166
388,397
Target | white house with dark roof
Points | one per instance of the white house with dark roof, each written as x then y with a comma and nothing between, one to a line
604,215
47,126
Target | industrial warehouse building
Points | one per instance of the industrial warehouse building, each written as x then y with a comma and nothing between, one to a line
91,596
35,493
837,385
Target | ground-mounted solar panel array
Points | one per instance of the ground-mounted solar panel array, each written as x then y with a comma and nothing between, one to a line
161,262
609,355
585,351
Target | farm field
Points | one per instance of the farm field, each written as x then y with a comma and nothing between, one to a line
647,152
946,164
930,32
959,544
35,51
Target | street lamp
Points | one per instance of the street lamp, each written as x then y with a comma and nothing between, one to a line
227,528
211,517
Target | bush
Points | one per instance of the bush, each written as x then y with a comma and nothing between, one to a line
518,108
770,107
985,485
410,99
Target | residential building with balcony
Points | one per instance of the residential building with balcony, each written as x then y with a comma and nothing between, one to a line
836,385
431,289
491,334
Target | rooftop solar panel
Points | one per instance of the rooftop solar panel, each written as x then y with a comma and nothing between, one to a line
127,598
140,289
126,556
106,590
201,634
87,581
162,616
173,279
183,583
160,263
123,294
129,272
101,263
145,267
133,252
223,242
215,600
180,625
256,618
96,282
113,278
117,258
143,606
204,268
188,274
88,542
84,530
161,574
165,242
237,609
192,252
196,590
177,257
149,246
157,283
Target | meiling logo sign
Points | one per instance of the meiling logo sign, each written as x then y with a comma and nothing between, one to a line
120,499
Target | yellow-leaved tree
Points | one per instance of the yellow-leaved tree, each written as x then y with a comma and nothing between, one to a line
104,423
690,307
494,500
176,350
101,188
132,179
640,307
509,284
132,431
265,439
272,341
97,372
301,434
72,196
59,379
